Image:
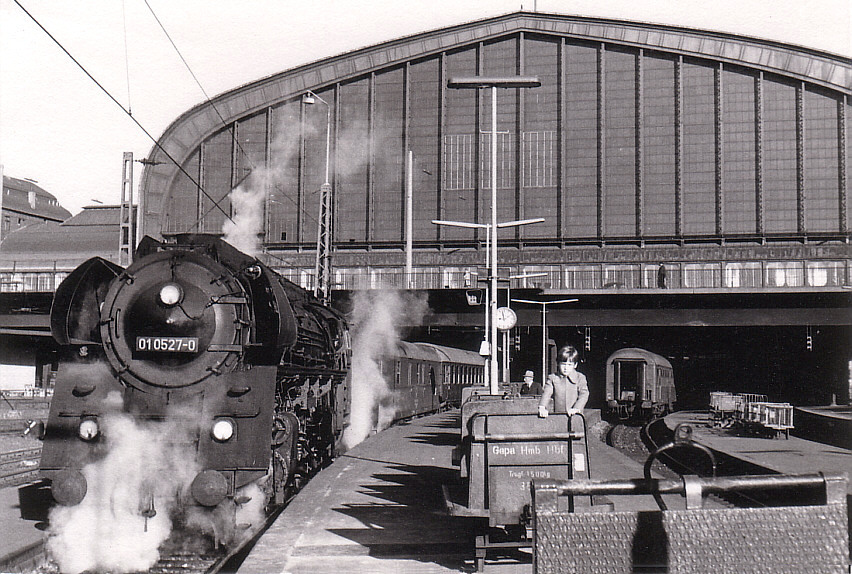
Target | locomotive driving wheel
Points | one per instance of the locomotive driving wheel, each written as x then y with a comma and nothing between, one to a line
285,431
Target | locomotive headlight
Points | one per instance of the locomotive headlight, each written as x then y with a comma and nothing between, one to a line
223,430
170,294
88,429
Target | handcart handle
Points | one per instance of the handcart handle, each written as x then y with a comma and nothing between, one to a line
682,438
496,437
586,441
833,484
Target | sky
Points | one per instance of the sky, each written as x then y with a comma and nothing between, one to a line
58,128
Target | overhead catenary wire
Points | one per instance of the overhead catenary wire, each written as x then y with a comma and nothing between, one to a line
221,119
116,102
126,56
224,123
215,203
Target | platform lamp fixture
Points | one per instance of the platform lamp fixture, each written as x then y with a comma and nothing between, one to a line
506,372
544,305
476,83
322,271
489,347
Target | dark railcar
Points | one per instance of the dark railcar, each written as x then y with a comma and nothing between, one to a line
425,377
639,384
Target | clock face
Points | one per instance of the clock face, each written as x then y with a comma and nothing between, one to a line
505,318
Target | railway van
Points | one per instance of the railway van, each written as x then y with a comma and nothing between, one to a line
639,384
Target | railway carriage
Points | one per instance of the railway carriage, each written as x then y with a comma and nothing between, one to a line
639,384
425,377
459,369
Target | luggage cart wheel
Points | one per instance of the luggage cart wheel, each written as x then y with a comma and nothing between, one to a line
481,549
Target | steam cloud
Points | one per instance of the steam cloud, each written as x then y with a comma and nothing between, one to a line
243,229
377,317
146,466
246,226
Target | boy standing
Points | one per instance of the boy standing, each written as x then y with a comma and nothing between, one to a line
569,388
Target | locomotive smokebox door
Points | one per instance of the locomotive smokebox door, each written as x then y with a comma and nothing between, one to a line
177,310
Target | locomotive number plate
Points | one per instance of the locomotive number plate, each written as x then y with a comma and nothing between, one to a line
167,344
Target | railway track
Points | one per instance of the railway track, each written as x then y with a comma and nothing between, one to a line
213,561
34,558
19,467
656,433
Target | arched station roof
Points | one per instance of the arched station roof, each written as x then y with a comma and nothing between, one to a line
186,133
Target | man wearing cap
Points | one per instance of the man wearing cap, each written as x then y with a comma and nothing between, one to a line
530,387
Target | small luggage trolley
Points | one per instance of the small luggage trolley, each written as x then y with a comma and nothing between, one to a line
504,446
724,407
746,413
774,418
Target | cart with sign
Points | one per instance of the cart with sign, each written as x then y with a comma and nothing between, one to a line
504,446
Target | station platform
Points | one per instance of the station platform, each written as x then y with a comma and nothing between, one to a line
826,424
380,508
786,456
21,534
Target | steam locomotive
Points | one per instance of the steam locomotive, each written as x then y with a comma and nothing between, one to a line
244,369
238,374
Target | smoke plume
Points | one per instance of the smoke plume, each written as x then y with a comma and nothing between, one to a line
377,317
145,467
246,224
266,187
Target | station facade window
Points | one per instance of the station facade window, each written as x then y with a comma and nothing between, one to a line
784,274
702,275
745,274
826,273
621,276
582,277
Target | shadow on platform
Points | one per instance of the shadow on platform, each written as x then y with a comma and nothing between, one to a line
408,520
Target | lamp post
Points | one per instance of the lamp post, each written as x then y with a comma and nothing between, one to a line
509,305
322,270
544,305
487,228
477,82
490,325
